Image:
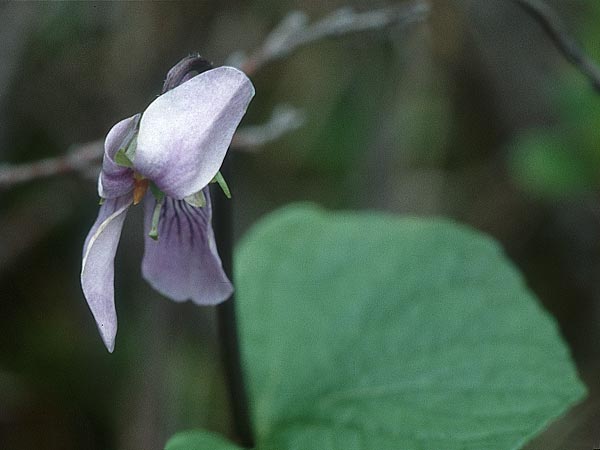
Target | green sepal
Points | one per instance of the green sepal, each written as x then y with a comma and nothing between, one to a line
131,148
153,234
122,159
101,201
158,194
160,199
222,184
125,155
198,200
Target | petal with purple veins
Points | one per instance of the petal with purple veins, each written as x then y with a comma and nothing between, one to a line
97,268
116,180
183,264
184,134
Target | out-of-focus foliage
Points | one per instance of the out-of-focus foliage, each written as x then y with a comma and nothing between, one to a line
562,160
373,331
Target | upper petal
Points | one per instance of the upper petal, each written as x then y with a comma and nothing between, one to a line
97,268
116,180
184,264
184,134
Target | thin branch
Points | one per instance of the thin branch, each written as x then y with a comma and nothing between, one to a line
80,159
284,119
294,32
226,316
86,157
557,31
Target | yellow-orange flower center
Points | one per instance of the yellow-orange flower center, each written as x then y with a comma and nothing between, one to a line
140,186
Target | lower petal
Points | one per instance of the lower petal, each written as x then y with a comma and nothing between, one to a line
97,270
183,264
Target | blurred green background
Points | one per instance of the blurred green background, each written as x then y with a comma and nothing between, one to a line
473,115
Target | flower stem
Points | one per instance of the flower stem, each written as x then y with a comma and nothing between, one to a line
228,332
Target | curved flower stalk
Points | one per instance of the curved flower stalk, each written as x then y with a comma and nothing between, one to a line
165,158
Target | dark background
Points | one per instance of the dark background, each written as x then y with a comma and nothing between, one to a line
473,115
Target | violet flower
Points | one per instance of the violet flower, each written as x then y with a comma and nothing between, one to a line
166,158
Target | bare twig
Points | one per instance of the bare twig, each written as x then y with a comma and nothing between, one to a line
80,159
568,46
284,119
291,34
294,32
84,158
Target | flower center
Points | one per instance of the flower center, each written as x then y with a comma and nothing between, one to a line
140,186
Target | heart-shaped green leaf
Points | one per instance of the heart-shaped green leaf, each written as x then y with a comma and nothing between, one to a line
370,331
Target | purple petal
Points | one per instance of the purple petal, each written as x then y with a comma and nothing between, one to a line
184,134
116,180
184,264
97,269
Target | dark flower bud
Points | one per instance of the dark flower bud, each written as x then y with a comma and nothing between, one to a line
185,69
